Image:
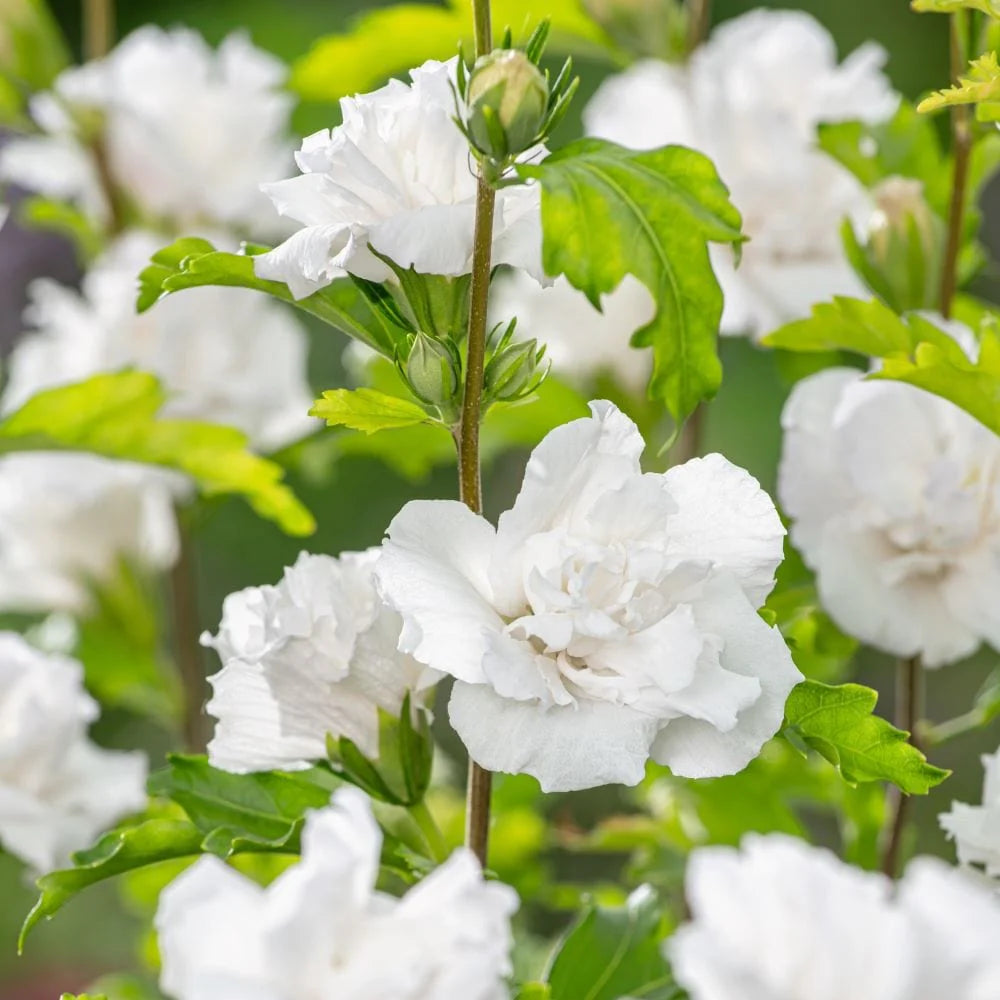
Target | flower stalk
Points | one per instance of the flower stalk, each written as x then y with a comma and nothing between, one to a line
477,817
700,19
98,28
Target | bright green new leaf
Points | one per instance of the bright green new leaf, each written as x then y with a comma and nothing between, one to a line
236,812
83,996
980,87
115,415
120,851
608,211
367,410
383,43
534,991
613,953
991,7
193,262
975,387
838,723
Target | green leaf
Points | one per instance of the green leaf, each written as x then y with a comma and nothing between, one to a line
608,211
367,410
148,843
838,723
991,7
65,220
193,262
115,415
980,87
975,387
237,812
614,953
534,991
83,996
384,43
34,49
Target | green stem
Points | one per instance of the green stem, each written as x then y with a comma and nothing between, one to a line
961,130
909,685
98,28
936,734
431,831
477,816
691,438
700,14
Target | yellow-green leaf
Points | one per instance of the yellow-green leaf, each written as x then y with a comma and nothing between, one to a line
980,87
991,7
115,415
367,410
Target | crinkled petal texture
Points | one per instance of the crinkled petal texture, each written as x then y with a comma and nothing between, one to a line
188,133
321,929
395,179
976,829
782,920
751,99
58,790
609,618
893,495
314,655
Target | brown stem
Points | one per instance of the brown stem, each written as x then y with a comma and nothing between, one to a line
98,28
477,814
187,648
909,683
691,438
961,130
700,14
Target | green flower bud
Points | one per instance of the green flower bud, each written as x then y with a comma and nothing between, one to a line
507,99
431,371
898,200
510,374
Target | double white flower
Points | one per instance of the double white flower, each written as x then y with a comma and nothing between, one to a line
893,495
313,655
321,930
751,99
183,134
57,789
781,920
609,618
396,177
976,829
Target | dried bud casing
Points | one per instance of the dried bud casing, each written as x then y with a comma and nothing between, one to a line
507,98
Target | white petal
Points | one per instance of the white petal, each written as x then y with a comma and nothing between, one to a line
566,748
304,261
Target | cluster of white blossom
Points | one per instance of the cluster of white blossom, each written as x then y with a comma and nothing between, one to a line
322,930
892,494
58,790
976,829
314,655
394,180
781,920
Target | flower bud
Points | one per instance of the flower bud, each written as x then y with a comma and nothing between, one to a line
431,371
897,201
511,373
507,98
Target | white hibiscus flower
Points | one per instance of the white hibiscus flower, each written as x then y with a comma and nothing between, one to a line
68,521
751,99
893,496
582,343
224,354
609,618
322,930
781,920
185,135
976,829
312,655
58,790
398,175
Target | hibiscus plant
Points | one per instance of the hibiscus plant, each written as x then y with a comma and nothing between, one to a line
593,734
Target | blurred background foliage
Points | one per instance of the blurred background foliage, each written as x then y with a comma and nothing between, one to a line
355,500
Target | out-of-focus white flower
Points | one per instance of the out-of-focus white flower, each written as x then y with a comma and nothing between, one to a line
67,521
57,789
582,342
893,495
781,920
312,655
610,617
751,99
184,134
976,829
225,355
321,929
398,175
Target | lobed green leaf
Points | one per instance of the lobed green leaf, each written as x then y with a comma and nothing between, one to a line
115,415
980,87
838,723
367,410
608,211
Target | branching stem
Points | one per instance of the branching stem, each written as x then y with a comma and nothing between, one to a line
98,28
477,816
